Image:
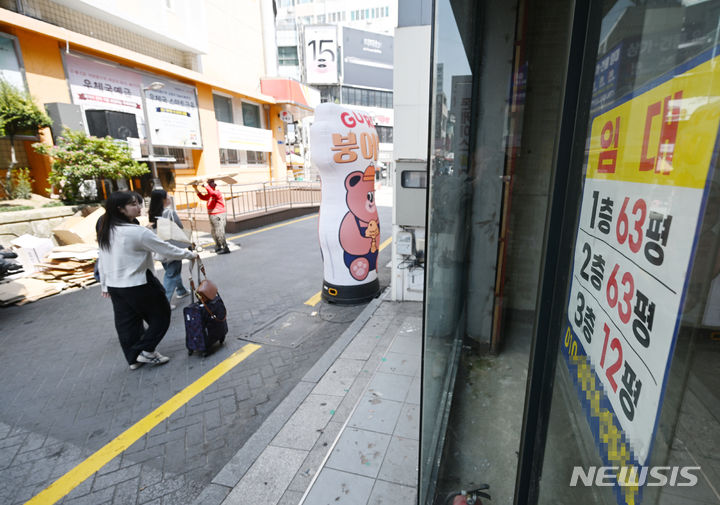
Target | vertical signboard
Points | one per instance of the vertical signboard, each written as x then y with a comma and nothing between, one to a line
606,78
367,59
460,108
173,114
321,54
649,161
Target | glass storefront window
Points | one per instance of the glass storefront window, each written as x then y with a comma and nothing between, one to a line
448,191
637,375
598,291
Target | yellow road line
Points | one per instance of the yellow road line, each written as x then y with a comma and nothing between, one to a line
241,235
315,299
61,487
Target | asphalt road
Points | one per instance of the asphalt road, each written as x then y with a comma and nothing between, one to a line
66,391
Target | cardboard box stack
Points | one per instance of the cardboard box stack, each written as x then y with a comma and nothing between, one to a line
50,269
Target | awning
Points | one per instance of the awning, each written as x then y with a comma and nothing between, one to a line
291,92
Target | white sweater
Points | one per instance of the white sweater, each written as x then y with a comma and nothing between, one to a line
130,255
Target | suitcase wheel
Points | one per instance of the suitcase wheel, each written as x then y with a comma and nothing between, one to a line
190,353
205,354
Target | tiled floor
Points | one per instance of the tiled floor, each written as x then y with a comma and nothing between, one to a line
348,433
374,460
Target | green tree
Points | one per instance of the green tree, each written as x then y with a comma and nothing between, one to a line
18,114
79,157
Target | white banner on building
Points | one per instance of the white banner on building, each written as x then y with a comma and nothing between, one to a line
95,85
321,51
244,138
173,114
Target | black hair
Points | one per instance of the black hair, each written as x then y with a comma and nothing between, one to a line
113,217
157,205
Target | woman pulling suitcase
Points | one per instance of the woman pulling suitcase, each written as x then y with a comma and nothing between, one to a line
126,276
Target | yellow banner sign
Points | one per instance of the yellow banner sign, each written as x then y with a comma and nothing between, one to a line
665,136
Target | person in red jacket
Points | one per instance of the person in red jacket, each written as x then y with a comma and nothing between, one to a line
216,212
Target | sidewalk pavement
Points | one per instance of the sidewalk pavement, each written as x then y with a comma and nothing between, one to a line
348,432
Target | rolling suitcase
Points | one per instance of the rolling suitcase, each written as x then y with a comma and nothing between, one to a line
206,317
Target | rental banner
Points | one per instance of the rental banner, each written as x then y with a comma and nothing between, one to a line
649,160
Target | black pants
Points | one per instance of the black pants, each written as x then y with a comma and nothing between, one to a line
134,305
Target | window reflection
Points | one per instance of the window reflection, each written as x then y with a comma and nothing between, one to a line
448,201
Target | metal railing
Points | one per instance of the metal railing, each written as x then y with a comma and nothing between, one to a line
258,199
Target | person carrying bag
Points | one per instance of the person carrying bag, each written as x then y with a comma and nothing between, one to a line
125,267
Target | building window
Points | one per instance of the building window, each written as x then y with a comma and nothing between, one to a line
385,133
256,158
288,56
229,156
321,18
352,15
329,94
367,97
223,108
251,115
387,11
183,159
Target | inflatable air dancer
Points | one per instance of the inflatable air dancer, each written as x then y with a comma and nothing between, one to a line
345,148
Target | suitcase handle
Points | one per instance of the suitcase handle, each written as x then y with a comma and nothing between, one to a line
200,268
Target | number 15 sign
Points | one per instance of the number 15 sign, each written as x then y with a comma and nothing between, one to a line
649,160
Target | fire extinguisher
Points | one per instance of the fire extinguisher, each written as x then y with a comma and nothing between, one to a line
468,497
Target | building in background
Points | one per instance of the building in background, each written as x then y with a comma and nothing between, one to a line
178,66
345,52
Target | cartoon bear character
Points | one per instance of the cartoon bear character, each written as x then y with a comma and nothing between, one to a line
360,228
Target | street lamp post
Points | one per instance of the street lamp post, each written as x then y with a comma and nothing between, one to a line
156,179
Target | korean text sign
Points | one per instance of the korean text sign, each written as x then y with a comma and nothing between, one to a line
173,114
96,85
648,164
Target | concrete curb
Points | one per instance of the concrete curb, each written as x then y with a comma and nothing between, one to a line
229,476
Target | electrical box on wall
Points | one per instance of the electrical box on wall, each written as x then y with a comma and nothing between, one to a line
410,190
404,243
